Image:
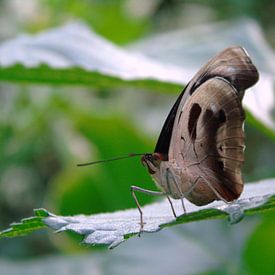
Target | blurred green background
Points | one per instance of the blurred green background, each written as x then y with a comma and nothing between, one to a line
45,130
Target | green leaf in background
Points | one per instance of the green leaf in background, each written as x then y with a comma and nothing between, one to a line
93,61
104,187
261,246
77,76
51,57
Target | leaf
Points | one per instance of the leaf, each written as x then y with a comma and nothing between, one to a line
75,55
45,74
114,228
27,225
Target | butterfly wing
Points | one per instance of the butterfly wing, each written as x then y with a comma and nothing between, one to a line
210,139
207,136
232,64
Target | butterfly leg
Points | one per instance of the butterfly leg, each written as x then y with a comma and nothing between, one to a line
177,186
182,203
145,191
172,207
192,186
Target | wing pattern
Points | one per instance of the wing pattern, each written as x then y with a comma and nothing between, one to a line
207,136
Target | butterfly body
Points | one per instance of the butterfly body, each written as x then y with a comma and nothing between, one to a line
200,151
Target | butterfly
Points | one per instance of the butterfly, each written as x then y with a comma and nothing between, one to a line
200,151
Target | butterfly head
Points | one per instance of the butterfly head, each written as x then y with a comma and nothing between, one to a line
152,161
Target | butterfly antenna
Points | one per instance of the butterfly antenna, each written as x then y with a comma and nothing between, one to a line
108,160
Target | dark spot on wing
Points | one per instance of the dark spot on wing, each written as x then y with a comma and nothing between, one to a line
221,165
222,116
193,120
179,116
208,114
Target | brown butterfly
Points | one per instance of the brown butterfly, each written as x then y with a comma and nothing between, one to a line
200,150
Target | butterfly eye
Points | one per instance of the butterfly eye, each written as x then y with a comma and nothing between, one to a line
150,157
147,158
